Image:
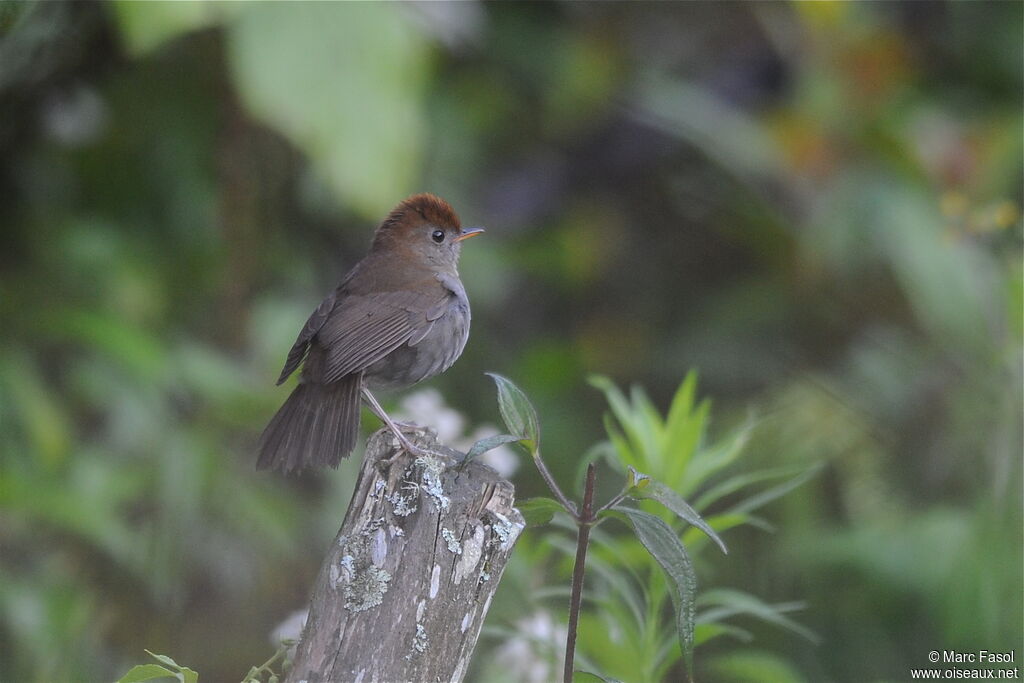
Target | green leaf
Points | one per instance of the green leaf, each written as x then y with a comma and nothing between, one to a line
518,413
695,538
652,428
629,594
148,25
489,443
146,672
39,408
767,496
708,461
665,547
591,677
682,402
706,632
163,659
645,487
638,480
182,673
633,426
684,439
538,511
748,666
132,347
621,444
741,481
684,428
352,98
727,603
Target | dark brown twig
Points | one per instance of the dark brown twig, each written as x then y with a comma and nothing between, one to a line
585,521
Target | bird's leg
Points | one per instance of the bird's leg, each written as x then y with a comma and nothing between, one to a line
403,442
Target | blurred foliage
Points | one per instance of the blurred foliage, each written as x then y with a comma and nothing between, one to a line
642,622
816,204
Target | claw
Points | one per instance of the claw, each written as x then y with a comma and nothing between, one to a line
404,445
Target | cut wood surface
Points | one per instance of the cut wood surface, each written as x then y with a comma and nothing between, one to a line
405,586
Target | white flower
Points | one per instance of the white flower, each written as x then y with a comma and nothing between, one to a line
535,651
427,407
290,628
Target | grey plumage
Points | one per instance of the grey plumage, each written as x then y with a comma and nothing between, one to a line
400,316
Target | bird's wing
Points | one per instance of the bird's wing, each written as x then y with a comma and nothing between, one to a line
427,323
309,330
362,329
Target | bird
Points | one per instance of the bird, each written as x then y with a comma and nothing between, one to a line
400,316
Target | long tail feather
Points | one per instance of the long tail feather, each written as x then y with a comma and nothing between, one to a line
316,427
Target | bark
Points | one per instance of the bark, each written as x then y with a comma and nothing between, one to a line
406,585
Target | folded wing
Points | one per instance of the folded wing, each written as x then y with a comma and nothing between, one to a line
363,329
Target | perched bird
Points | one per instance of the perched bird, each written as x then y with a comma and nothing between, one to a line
400,316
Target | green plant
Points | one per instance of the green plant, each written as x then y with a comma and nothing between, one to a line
660,459
168,668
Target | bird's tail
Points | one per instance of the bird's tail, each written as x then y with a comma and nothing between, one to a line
316,427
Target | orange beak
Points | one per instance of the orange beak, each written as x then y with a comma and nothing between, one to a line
469,232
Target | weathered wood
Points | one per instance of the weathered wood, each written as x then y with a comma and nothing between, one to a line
406,585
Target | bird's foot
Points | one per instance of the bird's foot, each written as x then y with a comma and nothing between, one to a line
397,430
403,445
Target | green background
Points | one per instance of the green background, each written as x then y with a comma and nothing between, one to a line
815,205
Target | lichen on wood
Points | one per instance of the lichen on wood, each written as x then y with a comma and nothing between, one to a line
404,589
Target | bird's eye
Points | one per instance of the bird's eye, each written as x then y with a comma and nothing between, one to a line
437,236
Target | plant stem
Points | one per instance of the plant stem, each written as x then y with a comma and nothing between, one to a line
569,506
613,502
585,520
257,671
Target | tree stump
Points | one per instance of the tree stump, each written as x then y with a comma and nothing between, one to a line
406,585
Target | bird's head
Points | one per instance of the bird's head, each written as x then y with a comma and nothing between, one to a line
426,228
